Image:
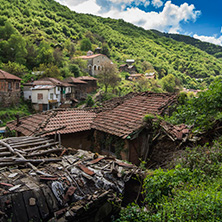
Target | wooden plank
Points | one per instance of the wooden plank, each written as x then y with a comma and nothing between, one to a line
6,207
41,147
5,154
32,144
50,199
42,205
45,152
19,213
28,141
31,206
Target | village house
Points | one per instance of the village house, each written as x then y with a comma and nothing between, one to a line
9,89
135,77
121,130
73,126
131,69
79,87
48,93
95,62
91,83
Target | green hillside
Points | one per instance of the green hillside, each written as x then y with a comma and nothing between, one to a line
50,34
210,48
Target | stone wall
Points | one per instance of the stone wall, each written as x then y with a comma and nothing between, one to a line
9,98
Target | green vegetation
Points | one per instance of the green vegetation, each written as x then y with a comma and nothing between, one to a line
9,114
201,111
37,33
191,191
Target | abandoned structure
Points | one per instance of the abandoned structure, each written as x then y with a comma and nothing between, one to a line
47,181
122,131
9,89
131,69
123,127
95,62
73,126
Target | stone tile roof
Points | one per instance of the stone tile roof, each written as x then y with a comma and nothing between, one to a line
73,120
6,75
125,116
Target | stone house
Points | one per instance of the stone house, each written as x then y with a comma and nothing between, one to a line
9,89
135,77
72,126
91,83
95,62
79,87
121,130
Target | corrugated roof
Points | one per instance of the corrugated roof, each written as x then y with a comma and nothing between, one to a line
126,116
45,87
6,75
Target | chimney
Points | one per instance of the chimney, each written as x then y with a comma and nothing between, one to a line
18,122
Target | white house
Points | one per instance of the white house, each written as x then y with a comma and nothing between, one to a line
48,93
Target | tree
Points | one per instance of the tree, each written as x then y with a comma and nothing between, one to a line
108,76
85,45
168,83
14,68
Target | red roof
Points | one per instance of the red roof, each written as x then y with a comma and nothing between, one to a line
126,117
90,56
6,75
74,120
74,80
87,78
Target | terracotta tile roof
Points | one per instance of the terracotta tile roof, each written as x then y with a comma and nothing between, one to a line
50,81
86,78
28,125
125,116
6,75
176,132
74,120
90,56
74,80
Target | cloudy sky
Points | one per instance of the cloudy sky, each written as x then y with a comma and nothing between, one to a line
201,19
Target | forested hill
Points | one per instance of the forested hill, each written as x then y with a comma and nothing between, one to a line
210,48
35,33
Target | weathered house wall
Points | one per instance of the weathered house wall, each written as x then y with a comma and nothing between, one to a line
9,92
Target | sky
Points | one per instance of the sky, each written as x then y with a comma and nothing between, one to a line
201,19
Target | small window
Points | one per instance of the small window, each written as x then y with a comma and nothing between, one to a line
51,95
94,67
9,86
57,96
98,67
17,85
39,96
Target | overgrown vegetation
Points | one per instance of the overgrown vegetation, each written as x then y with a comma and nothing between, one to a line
191,191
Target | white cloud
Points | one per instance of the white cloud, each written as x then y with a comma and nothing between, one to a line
168,20
211,39
157,3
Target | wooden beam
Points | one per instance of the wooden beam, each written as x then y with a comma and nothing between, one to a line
33,144
45,152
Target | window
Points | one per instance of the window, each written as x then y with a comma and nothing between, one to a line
9,86
94,67
51,95
98,67
17,85
39,96
57,96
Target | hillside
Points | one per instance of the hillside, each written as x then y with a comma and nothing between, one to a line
51,34
210,48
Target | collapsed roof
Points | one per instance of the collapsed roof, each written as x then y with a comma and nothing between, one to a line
61,183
